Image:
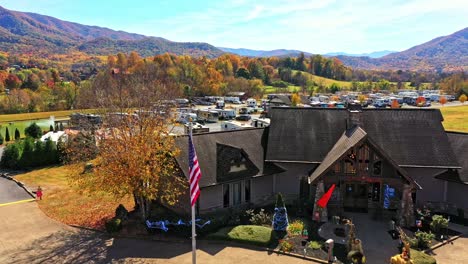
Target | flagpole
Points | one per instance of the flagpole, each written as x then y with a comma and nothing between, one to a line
194,235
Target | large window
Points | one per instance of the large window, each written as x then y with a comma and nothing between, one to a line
236,193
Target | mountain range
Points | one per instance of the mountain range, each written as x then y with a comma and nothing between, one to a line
294,53
30,33
22,32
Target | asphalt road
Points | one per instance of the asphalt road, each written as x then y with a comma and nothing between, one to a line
11,192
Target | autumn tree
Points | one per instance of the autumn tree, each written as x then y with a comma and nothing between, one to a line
462,98
395,104
136,152
420,101
295,99
442,100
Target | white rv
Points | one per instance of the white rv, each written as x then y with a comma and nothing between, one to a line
251,103
260,122
233,125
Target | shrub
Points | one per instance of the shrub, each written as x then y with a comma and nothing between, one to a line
33,131
295,228
286,246
281,84
7,135
11,156
17,134
113,225
423,239
121,212
260,218
315,244
1,139
438,222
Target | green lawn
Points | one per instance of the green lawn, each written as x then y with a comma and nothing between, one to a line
249,234
39,115
455,118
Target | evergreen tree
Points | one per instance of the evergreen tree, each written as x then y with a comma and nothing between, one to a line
27,158
7,135
1,139
51,153
51,128
11,156
33,131
17,134
39,152
61,126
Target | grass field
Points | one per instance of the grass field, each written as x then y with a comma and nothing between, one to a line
455,118
39,115
68,204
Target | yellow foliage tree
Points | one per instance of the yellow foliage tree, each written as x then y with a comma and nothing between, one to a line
295,99
462,98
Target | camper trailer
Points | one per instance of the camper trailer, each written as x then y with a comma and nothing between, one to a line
186,117
260,122
251,102
208,115
196,128
226,114
233,125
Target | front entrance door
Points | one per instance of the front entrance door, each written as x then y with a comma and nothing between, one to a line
355,197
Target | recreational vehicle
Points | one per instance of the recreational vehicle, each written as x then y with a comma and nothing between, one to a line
233,125
251,102
260,122
226,114
208,115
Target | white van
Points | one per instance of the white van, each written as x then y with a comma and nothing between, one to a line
251,102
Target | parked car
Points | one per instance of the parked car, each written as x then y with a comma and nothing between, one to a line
243,117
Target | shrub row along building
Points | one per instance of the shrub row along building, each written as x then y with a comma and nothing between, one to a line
376,158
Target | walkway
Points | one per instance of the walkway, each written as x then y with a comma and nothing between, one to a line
454,252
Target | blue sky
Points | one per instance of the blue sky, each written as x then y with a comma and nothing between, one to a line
316,26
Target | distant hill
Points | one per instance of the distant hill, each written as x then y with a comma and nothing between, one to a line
264,53
375,54
28,33
447,53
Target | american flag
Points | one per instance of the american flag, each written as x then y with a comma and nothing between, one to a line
195,173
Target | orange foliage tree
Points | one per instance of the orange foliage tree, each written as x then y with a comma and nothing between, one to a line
395,104
420,101
442,100
136,152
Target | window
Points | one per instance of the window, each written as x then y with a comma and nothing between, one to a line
349,167
377,168
247,191
226,195
236,193
337,167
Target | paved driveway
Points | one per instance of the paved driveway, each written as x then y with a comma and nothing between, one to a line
11,192
28,236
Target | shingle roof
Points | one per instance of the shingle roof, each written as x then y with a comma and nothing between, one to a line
411,137
251,142
459,143
304,134
349,139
